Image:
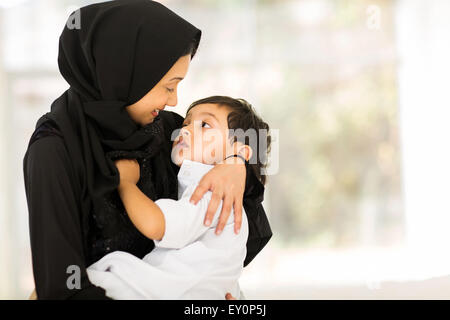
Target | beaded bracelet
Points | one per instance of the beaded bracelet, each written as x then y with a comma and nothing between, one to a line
239,156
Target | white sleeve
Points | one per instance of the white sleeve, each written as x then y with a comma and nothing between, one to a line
184,221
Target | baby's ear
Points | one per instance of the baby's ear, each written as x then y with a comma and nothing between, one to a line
245,151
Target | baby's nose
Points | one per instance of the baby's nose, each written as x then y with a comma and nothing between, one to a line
184,132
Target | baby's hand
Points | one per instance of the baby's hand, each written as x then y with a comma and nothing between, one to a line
128,170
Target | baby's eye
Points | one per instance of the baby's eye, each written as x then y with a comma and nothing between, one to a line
205,125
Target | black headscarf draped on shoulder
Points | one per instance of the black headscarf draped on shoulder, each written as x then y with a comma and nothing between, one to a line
117,54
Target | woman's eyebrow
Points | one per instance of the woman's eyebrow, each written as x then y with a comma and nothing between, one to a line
176,78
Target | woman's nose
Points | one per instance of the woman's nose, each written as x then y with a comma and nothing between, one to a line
173,100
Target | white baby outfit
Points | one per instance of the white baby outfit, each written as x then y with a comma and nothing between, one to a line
189,262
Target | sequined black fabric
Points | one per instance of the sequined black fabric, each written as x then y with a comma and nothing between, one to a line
111,229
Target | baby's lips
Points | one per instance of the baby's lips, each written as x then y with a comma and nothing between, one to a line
176,141
181,143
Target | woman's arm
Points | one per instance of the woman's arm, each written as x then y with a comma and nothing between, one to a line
146,216
227,183
54,222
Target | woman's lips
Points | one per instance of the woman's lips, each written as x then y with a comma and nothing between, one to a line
156,112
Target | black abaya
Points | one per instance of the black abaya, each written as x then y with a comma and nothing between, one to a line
58,239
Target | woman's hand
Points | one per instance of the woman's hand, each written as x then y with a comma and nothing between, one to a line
128,170
228,296
227,182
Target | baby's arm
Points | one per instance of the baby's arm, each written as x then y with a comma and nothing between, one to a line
184,220
146,216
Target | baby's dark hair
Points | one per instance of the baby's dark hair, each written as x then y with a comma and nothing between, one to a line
241,118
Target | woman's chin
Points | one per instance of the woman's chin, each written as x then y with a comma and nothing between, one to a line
148,121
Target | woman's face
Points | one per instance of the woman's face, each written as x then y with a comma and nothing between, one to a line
163,94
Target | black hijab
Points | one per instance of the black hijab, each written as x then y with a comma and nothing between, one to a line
120,52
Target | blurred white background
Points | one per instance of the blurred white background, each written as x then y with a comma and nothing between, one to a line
359,91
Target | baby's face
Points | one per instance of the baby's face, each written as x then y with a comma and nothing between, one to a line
204,135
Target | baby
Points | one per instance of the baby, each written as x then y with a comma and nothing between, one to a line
189,260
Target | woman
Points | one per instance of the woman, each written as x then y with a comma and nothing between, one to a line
123,66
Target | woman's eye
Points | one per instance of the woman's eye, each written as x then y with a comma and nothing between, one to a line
205,125
170,90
